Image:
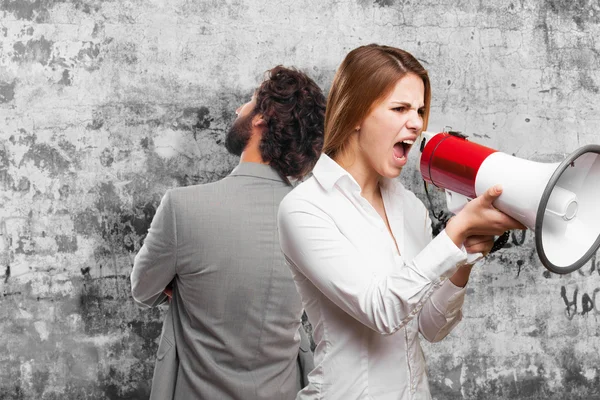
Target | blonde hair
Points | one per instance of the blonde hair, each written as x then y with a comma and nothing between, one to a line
365,77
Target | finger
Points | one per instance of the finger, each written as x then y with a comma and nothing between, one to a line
480,248
517,225
508,223
492,194
472,241
475,239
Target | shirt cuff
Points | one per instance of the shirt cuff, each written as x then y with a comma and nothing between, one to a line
441,258
448,297
473,258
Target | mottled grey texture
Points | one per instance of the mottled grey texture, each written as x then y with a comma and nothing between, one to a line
105,104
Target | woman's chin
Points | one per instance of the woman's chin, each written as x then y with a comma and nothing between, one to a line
396,166
392,171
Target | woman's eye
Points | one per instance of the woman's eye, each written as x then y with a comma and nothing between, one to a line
421,112
399,109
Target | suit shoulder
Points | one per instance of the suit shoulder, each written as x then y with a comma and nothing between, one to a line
193,190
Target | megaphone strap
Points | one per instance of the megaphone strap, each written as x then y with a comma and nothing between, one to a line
441,217
500,242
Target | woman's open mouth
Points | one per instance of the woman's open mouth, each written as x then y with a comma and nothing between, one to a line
401,149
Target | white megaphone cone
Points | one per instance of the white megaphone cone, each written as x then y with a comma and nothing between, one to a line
560,202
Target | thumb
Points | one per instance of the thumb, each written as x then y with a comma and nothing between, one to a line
492,194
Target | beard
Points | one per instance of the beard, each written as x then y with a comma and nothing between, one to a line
239,135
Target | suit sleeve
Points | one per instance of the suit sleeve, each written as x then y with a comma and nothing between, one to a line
155,264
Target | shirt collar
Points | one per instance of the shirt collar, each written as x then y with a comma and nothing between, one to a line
256,170
328,172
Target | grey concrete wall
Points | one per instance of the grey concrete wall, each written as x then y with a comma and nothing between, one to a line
106,104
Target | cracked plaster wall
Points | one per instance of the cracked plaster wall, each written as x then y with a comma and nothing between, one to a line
106,104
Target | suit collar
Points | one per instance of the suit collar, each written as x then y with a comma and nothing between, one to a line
257,170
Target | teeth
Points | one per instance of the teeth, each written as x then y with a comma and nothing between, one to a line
407,141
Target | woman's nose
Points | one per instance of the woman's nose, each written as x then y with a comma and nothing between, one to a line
415,121
237,111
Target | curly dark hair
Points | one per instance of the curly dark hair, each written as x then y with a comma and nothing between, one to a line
293,106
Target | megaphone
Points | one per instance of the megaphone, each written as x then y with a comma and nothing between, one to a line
560,202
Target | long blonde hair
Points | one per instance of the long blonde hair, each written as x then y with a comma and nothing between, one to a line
365,77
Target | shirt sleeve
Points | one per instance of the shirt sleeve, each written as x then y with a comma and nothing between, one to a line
155,264
314,245
442,312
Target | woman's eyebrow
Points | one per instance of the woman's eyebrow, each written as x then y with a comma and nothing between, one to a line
404,103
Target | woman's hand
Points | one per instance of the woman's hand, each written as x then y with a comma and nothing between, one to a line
168,290
478,219
473,244
475,227
479,244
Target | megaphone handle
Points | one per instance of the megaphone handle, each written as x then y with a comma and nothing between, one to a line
500,242
455,201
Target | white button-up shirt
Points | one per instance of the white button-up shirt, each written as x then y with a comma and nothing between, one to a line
366,302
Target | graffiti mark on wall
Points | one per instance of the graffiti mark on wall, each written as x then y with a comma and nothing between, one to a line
518,237
578,302
589,268
575,300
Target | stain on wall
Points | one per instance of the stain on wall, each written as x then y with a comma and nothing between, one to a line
7,91
104,105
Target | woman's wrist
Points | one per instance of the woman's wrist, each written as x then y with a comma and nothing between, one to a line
456,231
461,277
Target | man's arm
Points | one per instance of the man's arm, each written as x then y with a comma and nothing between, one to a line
155,264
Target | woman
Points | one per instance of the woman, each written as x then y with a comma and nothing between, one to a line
360,245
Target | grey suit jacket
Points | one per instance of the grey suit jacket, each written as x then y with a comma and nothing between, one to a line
232,328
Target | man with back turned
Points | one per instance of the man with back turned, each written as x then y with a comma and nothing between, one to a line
232,329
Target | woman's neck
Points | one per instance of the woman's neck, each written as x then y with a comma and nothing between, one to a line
366,177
